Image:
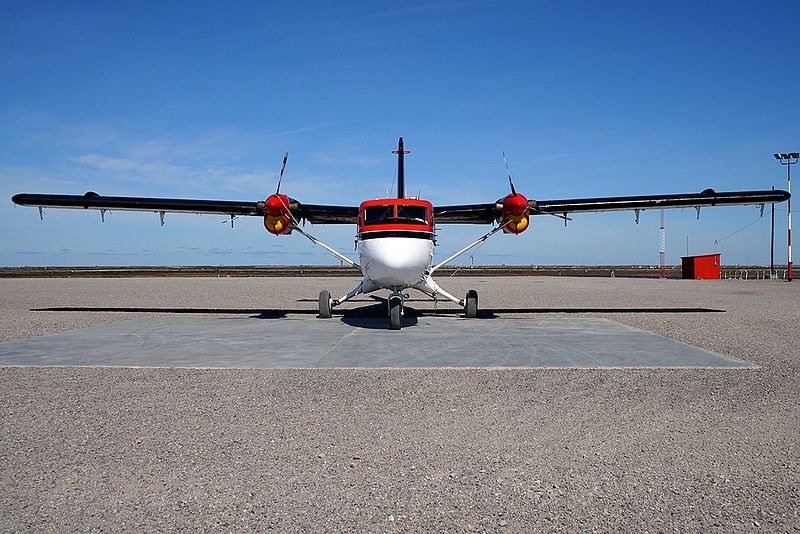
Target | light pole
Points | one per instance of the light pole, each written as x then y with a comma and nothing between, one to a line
772,244
789,159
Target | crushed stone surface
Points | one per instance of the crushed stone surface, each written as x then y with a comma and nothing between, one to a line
447,450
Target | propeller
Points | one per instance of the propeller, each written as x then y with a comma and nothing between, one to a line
514,191
283,168
510,182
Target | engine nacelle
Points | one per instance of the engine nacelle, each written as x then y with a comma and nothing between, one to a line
516,214
276,215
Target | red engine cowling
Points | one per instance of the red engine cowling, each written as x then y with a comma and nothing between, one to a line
276,215
515,214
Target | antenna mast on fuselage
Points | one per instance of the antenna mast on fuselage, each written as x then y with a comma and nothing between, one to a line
401,176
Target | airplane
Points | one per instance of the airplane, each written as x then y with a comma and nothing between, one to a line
396,236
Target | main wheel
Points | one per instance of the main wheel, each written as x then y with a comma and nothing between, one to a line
471,304
395,314
325,304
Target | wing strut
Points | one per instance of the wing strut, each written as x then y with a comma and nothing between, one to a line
477,242
337,255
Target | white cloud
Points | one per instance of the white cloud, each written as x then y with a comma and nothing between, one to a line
127,165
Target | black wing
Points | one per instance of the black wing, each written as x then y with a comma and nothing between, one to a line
316,214
709,197
467,213
487,213
319,214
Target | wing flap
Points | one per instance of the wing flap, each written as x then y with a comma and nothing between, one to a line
467,213
314,213
319,214
488,213
709,197
94,201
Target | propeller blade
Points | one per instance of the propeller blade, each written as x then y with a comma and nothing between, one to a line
510,182
283,168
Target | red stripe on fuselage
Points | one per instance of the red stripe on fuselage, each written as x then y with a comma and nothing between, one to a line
396,226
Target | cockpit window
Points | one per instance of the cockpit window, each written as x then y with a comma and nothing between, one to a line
378,214
412,214
405,214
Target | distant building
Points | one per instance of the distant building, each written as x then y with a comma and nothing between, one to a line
702,267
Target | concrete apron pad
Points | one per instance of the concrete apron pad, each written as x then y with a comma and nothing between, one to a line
430,342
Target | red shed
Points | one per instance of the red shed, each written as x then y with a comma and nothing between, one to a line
702,267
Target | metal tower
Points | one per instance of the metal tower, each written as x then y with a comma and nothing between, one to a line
662,248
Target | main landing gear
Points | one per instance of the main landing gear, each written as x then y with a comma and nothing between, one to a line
471,304
325,304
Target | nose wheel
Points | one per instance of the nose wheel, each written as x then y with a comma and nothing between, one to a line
395,311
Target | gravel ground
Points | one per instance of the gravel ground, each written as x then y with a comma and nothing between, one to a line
114,449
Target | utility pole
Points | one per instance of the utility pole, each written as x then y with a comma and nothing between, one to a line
789,159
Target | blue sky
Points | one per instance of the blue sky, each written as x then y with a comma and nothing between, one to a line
201,99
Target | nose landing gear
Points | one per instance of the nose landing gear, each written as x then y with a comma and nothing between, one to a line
396,310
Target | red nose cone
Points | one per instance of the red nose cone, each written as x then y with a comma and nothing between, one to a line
277,205
515,204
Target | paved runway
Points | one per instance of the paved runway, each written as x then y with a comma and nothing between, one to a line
362,342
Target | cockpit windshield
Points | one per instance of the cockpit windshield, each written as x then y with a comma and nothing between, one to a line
379,214
412,214
385,214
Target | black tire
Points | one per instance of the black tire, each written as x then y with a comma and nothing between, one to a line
471,304
325,304
395,314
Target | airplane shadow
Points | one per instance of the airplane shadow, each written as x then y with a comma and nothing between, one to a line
364,311
372,316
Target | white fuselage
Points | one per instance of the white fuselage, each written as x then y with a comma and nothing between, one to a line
395,263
